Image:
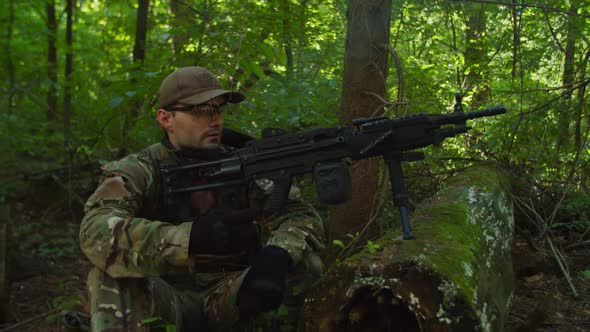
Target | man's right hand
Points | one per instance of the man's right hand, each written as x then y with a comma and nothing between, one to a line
223,232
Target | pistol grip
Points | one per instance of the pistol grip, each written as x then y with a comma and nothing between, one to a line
279,195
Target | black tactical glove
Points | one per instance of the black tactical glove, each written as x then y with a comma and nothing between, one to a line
224,232
264,284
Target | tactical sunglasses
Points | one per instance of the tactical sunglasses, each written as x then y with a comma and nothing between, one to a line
209,109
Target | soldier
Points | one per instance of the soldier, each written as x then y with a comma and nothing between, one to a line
199,260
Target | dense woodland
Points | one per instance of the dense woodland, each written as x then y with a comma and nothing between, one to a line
80,80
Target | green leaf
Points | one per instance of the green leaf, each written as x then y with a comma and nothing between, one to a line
149,320
338,243
298,289
585,274
115,102
67,302
373,247
351,236
252,68
282,311
266,50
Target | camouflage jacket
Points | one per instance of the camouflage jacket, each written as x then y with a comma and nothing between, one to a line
129,230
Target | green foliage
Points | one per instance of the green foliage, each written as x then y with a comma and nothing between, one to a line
60,247
287,57
351,247
344,249
69,311
372,247
69,302
158,323
577,205
274,320
574,213
579,225
339,244
23,229
243,42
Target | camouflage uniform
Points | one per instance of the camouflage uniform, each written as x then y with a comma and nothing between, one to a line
143,274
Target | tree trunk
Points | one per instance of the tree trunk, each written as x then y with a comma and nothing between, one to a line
581,105
568,77
287,38
181,19
9,63
476,60
363,92
141,26
456,275
516,24
51,59
70,4
4,289
141,31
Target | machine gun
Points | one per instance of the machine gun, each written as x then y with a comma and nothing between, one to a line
279,156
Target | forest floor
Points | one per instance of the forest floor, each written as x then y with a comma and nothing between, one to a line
48,274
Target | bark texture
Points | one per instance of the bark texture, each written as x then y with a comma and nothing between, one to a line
141,30
565,114
4,295
476,59
363,92
69,69
8,53
51,59
455,276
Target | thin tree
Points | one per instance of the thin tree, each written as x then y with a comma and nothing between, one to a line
565,116
67,111
287,39
516,26
141,26
51,59
475,53
581,104
182,17
9,63
70,4
140,31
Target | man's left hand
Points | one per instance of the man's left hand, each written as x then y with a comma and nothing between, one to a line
264,285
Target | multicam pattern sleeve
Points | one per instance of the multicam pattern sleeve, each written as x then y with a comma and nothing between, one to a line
300,230
120,243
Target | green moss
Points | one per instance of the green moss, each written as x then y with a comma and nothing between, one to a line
464,234
484,176
439,236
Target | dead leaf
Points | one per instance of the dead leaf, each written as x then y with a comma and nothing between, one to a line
534,278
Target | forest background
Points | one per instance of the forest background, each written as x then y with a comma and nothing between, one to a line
80,80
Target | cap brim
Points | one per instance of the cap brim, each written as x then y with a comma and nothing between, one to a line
231,97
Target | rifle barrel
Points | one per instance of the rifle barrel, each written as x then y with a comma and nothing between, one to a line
486,112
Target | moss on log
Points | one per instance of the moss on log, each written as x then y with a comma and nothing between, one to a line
455,276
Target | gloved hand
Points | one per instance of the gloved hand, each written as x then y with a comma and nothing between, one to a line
264,284
223,232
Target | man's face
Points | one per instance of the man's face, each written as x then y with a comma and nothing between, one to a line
194,127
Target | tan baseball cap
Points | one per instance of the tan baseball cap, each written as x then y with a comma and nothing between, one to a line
193,85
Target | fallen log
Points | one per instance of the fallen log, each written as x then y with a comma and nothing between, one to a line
456,275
